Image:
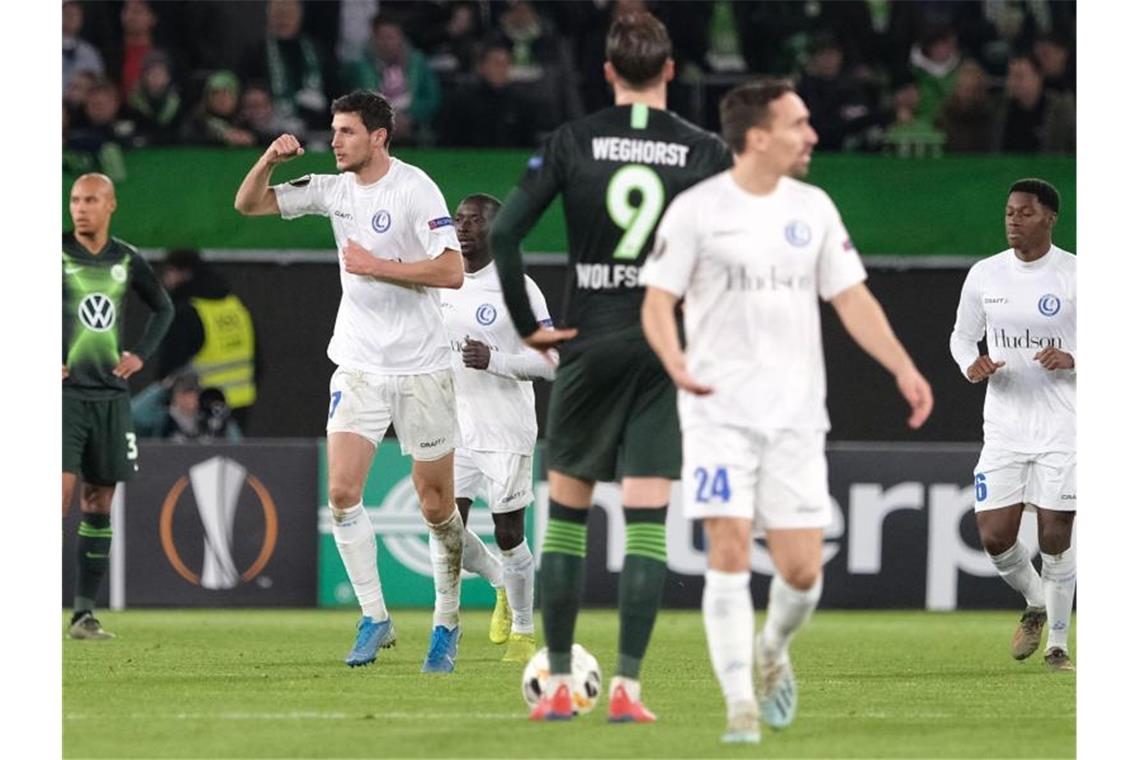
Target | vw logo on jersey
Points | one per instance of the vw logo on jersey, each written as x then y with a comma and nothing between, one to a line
119,273
97,312
381,221
485,314
798,233
1049,305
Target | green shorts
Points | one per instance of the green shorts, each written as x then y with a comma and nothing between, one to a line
613,414
99,440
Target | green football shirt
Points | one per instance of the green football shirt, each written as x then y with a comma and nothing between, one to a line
95,289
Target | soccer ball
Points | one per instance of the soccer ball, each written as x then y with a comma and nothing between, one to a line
584,670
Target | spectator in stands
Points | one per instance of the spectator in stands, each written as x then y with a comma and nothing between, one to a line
138,22
257,116
967,117
212,332
1031,119
842,112
399,72
1052,54
105,131
75,96
489,113
78,54
295,67
103,120
155,104
541,64
934,63
448,33
214,120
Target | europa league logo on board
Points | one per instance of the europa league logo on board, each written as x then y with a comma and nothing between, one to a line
219,487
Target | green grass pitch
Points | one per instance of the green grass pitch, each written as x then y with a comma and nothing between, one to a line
245,684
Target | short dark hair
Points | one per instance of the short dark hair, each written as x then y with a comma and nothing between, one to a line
184,258
746,106
374,110
1045,192
484,199
637,46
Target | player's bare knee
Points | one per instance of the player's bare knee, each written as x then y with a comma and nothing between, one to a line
801,577
996,541
510,529
344,495
1054,539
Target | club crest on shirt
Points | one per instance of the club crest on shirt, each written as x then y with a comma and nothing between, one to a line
485,314
1049,305
381,221
119,273
797,233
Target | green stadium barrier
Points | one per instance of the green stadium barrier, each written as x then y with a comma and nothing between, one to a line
892,206
401,538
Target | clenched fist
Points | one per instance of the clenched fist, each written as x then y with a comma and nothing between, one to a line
284,148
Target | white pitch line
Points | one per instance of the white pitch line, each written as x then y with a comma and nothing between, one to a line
302,715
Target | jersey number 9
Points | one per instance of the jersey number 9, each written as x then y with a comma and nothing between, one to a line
637,221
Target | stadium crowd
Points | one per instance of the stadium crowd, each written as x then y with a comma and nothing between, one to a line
914,78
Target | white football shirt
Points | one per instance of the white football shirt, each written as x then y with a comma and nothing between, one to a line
382,327
496,405
1021,308
751,269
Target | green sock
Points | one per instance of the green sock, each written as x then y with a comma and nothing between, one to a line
94,548
562,576
639,589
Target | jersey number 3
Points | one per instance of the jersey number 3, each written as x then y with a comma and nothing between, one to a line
637,221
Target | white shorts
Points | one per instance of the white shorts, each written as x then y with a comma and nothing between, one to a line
1003,478
422,407
504,480
777,479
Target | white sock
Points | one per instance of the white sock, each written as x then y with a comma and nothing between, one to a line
788,611
518,578
1015,568
1059,578
447,562
729,626
477,558
356,542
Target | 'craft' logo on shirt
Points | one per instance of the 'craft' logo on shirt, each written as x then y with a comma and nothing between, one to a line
1049,305
798,233
485,314
97,312
381,221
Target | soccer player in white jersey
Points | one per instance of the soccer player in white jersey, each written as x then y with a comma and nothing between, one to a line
497,425
1023,301
751,250
397,245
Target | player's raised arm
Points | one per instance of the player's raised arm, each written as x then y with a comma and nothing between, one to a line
254,196
867,324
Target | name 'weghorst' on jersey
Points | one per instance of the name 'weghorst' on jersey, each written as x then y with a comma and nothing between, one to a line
618,170
1021,308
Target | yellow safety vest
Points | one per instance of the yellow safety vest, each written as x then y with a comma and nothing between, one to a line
226,358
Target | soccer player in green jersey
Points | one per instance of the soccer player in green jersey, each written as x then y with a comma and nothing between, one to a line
613,410
98,438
